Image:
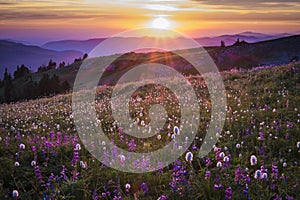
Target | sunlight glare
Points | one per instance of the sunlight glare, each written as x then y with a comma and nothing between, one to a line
160,23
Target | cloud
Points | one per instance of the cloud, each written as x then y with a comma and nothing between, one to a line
8,2
7,15
247,17
251,4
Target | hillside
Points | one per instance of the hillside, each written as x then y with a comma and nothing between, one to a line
42,154
239,56
244,55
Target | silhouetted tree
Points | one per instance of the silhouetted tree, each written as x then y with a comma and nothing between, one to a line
295,59
43,85
237,42
54,85
8,85
21,72
85,56
51,65
65,86
77,60
30,91
240,43
222,43
42,68
62,64
49,85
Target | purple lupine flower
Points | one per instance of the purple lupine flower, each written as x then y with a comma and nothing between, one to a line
246,190
144,187
261,135
287,197
18,136
33,148
179,179
228,193
272,186
274,174
63,172
145,163
226,161
52,134
290,125
219,154
247,132
75,175
194,147
263,169
50,179
132,145
266,107
287,136
207,175
218,186
277,197
127,188
75,157
117,195
95,195
66,139
38,174
48,144
247,178
58,138
7,139
238,174
207,162
77,147
163,197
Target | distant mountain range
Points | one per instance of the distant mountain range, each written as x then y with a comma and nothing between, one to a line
277,51
250,37
80,45
88,45
13,54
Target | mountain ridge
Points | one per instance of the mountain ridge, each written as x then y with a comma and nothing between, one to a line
87,45
13,54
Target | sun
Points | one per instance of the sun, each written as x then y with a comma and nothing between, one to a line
160,23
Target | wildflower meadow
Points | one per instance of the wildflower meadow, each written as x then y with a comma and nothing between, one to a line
257,155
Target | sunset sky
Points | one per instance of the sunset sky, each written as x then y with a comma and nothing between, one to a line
39,21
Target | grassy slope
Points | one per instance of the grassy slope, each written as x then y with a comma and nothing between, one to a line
249,94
